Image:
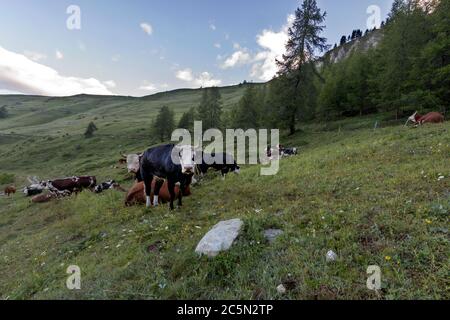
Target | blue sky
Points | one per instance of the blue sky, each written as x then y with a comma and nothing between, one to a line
141,47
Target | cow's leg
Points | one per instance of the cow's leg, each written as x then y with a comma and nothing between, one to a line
148,178
158,185
171,185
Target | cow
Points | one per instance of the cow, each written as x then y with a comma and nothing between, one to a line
432,117
136,195
10,190
286,152
33,189
280,152
133,162
171,162
108,185
222,162
67,186
42,198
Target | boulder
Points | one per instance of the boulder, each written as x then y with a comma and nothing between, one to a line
219,238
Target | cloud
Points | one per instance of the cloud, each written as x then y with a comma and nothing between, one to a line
185,75
147,28
147,86
21,74
217,45
35,56
59,55
205,79
240,57
110,84
273,46
212,27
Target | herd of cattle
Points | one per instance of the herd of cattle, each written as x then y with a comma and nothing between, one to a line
158,178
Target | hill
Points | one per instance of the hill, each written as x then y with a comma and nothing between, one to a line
375,197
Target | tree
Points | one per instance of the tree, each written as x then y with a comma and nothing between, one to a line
187,120
343,40
304,42
90,130
247,111
164,124
3,112
210,109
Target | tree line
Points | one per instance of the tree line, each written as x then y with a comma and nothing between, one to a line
408,70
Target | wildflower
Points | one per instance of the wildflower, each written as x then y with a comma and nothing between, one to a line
388,258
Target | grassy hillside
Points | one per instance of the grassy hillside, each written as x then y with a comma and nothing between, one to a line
372,196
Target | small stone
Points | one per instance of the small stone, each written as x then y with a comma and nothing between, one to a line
272,234
281,289
331,256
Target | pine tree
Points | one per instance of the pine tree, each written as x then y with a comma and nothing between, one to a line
187,120
3,112
89,133
164,124
247,112
343,40
210,109
296,66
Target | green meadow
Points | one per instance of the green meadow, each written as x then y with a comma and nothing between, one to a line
375,196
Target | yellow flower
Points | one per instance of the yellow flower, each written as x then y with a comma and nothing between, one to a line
428,221
388,258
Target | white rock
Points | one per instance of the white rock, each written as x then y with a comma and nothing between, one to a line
281,289
219,238
331,256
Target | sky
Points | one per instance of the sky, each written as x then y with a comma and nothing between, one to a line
141,47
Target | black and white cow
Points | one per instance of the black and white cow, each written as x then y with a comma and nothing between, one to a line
171,162
222,162
108,185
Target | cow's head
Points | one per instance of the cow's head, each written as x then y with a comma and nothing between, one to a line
413,118
185,156
133,162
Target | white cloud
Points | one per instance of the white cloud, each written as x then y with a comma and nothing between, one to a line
185,75
238,58
205,79
147,86
212,27
147,28
21,74
35,56
273,46
110,84
59,55
217,45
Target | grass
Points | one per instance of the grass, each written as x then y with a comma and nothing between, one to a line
372,196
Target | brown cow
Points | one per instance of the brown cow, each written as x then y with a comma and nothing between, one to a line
10,190
136,195
432,117
42,198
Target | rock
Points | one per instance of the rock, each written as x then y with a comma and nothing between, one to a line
272,234
219,238
281,289
331,256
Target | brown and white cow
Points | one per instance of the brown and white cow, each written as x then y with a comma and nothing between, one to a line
136,195
67,186
432,117
10,190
